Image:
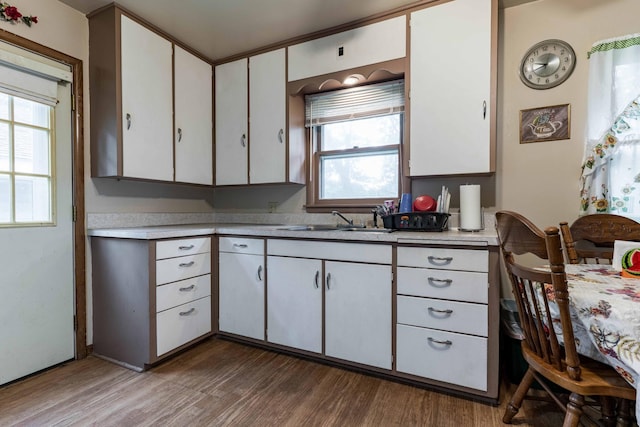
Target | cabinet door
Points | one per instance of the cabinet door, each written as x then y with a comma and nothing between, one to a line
147,103
231,123
267,118
358,313
241,294
194,117
294,302
450,88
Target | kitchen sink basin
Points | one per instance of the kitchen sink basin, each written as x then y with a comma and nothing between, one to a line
328,227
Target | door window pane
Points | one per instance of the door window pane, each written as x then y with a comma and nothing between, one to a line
32,199
4,148
31,113
5,198
31,150
4,106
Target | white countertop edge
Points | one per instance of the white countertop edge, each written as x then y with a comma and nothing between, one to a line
453,236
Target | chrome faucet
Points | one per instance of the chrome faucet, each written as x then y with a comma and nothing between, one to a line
349,221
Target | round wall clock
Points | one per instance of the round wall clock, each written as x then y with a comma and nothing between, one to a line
547,64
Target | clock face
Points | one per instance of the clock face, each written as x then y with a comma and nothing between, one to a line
547,64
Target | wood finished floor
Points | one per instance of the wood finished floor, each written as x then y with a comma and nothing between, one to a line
224,383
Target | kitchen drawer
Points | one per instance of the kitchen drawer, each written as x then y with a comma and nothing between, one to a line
444,284
444,258
444,315
181,247
182,324
338,251
174,269
442,356
241,245
182,292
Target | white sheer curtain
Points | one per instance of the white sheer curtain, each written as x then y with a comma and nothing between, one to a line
611,168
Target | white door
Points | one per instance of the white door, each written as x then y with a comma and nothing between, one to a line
37,261
294,302
358,313
194,117
267,118
232,139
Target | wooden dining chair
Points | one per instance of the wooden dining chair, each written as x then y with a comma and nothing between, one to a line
590,238
535,289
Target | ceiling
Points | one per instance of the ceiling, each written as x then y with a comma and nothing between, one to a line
223,28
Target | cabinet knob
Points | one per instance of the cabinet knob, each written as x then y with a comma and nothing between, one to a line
328,280
243,140
179,134
316,279
436,310
281,136
439,283
186,264
484,110
128,117
188,312
260,273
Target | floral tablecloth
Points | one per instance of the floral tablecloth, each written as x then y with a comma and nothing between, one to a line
605,308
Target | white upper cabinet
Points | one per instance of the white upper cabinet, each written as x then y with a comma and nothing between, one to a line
193,118
231,123
147,99
267,118
140,127
369,44
451,88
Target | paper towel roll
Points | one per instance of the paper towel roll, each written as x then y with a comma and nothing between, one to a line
470,209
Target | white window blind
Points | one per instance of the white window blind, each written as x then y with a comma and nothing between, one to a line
354,103
31,79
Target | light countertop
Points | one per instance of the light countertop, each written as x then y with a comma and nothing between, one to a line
485,237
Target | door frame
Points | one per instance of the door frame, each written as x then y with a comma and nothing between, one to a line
77,117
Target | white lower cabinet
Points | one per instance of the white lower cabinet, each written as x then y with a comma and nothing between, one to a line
150,297
357,299
241,287
358,313
294,296
443,322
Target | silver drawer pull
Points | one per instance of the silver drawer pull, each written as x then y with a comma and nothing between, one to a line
439,283
188,288
435,310
447,342
186,248
186,264
439,259
240,245
188,312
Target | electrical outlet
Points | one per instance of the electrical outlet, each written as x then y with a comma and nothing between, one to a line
272,206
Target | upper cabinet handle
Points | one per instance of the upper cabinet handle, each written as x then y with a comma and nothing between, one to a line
328,280
317,277
179,134
243,140
260,273
128,116
281,136
484,110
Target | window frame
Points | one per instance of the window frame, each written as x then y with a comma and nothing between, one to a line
315,203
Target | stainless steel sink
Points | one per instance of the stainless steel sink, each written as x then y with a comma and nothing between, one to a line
329,227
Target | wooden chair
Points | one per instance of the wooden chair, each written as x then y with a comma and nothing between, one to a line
590,238
541,348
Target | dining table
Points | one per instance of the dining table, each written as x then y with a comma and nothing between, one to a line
605,310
